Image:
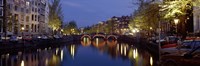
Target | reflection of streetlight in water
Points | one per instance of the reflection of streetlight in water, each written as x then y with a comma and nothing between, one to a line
72,50
112,43
22,63
123,49
135,53
98,42
151,61
86,41
61,55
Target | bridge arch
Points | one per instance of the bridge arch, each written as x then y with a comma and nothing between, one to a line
115,37
85,36
99,35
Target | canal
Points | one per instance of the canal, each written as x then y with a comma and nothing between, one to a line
97,52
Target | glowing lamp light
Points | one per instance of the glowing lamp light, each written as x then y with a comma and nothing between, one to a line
176,21
22,63
22,28
151,61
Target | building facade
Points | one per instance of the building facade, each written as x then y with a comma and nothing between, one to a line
1,15
27,17
117,25
196,14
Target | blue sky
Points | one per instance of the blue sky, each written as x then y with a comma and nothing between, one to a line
88,12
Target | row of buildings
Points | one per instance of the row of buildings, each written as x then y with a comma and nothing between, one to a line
117,25
27,17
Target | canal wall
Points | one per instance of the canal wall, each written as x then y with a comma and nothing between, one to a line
10,47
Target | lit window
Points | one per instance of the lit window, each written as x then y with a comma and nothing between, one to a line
27,18
22,17
27,3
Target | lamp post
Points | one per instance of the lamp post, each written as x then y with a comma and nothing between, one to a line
22,34
62,31
176,23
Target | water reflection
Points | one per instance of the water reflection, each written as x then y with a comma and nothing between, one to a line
99,43
72,50
22,63
86,41
112,54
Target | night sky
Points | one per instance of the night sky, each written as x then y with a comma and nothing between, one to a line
88,12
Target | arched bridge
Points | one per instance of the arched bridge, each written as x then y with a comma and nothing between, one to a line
106,37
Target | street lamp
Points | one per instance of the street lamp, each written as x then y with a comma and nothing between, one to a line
150,28
62,31
176,23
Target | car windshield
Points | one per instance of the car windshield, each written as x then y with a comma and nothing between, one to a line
172,38
197,44
187,45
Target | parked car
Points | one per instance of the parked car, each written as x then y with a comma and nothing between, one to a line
44,37
14,39
190,58
56,37
27,38
182,48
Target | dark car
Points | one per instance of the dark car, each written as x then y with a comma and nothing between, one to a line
190,58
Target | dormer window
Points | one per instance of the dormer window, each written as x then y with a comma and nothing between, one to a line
1,2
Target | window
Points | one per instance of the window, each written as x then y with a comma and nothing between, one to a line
27,28
22,17
27,10
38,28
32,9
35,17
16,8
9,6
32,27
38,10
27,3
38,18
35,9
1,11
32,17
32,2
27,18
35,28
35,3
22,9
1,2
1,25
21,27
16,17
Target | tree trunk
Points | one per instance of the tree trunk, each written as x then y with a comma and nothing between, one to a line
182,28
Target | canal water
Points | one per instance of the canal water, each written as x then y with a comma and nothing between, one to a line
84,53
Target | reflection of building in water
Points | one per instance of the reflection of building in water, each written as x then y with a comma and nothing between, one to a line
111,43
39,58
112,48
